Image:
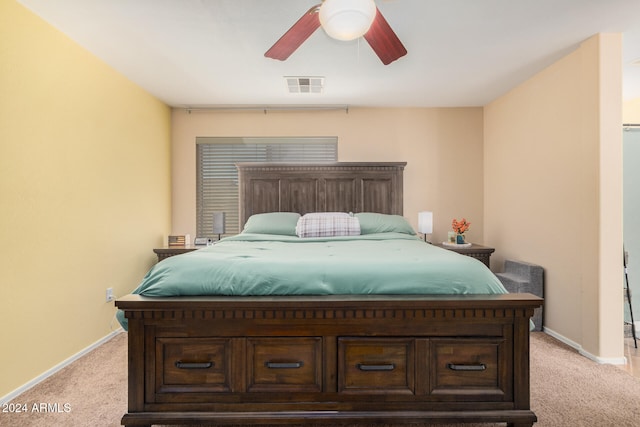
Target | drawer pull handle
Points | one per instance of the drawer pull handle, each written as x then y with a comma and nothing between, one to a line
193,365
382,367
455,367
284,365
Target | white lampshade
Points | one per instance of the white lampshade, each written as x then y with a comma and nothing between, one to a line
347,19
218,222
425,222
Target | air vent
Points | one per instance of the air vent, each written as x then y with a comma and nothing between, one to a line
304,84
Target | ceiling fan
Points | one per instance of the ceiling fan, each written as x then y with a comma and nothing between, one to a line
342,20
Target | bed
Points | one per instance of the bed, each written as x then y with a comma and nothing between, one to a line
374,327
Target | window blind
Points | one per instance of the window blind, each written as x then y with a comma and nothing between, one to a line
217,176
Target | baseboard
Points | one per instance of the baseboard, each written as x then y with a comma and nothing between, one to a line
601,360
17,392
562,338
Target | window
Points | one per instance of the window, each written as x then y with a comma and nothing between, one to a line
217,176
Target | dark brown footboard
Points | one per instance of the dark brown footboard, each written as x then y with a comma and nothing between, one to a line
329,359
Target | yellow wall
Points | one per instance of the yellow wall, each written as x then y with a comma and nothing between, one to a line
442,148
553,181
84,193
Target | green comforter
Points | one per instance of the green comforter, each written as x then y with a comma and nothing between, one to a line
255,264
259,264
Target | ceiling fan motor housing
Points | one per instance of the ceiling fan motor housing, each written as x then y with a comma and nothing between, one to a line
347,19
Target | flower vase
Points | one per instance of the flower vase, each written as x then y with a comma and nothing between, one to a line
460,239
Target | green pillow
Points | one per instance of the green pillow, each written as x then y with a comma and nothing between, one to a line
283,223
380,223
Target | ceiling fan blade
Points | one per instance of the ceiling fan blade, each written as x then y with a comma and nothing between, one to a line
384,41
295,36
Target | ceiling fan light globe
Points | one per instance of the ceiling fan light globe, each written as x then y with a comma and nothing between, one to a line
347,19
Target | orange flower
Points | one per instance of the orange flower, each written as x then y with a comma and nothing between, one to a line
460,226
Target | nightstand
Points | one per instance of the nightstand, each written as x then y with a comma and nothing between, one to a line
164,253
483,253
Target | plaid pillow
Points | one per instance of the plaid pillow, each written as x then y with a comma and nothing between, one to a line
327,224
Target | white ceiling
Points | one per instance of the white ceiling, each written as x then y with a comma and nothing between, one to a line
192,53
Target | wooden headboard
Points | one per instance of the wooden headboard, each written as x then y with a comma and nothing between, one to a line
325,187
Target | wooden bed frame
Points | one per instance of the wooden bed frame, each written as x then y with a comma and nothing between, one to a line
328,360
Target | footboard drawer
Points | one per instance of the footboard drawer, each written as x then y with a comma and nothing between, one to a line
284,364
193,364
470,367
369,365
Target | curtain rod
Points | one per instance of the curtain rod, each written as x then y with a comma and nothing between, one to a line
628,125
267,108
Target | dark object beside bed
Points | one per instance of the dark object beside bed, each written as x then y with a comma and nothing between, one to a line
334,359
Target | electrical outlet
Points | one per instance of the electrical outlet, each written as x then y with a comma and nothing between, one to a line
110,296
